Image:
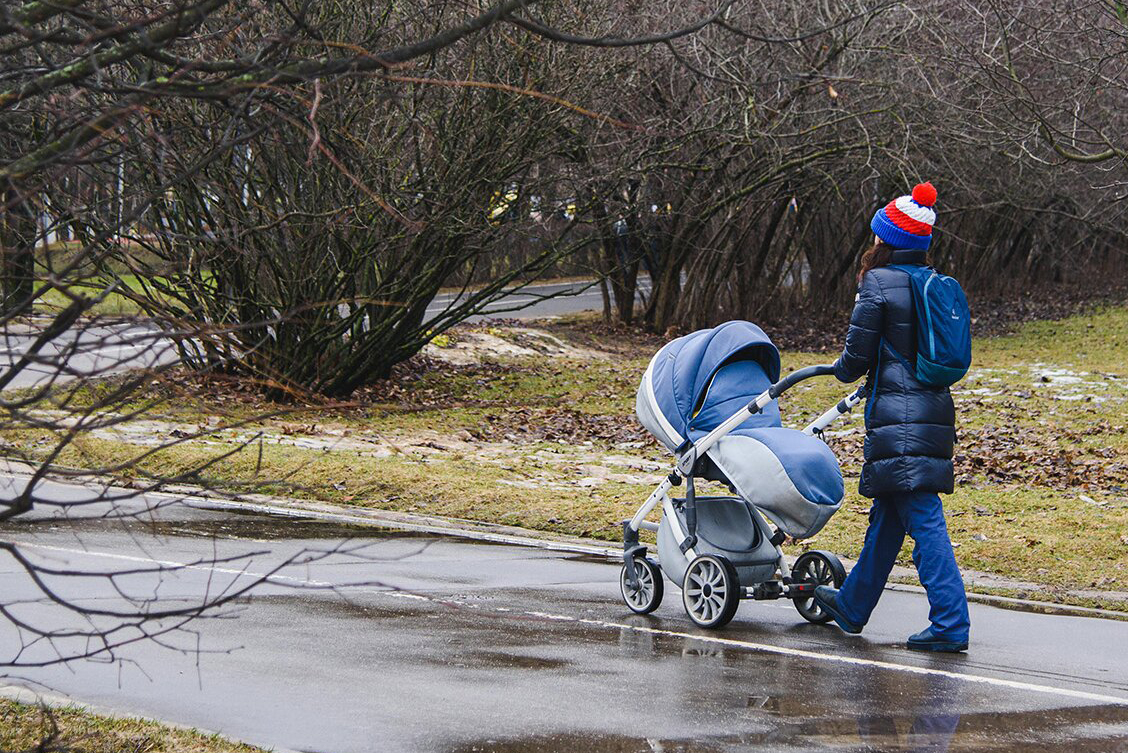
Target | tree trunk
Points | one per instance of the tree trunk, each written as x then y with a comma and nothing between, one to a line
17,241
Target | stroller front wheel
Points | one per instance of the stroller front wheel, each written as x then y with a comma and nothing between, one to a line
710,591
820,569
646,594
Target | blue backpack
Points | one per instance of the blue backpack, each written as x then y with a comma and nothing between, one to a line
943,326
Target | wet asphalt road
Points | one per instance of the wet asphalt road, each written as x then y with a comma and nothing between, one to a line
87,350
542,300
412,642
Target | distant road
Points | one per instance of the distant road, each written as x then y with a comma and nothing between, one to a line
570,298
106,349
84,351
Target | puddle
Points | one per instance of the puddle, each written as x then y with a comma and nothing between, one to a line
273,529
234,525
503,660
1078,730
1085,729
586,743
342,609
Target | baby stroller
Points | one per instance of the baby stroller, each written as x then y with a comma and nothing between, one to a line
710,397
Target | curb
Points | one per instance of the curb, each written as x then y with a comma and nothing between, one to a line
1024,605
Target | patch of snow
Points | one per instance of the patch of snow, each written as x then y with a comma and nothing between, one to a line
472,347
987,391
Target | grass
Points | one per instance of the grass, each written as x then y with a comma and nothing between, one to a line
547,444
114,304
25,727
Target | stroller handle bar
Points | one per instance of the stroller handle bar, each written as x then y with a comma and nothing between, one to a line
795,377
845,405
689,458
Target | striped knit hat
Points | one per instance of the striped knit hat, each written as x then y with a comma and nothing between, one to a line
906,222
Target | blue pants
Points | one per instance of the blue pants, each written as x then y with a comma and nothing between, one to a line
921,515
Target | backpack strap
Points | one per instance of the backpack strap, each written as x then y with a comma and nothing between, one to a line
912,312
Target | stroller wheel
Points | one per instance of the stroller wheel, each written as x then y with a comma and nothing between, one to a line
710,591
645,596
822,569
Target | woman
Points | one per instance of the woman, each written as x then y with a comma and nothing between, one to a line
910,434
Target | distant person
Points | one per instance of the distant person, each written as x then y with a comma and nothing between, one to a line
910,435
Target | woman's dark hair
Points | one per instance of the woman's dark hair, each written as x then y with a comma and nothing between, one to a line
877,255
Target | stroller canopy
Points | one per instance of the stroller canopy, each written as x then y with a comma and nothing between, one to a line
678,390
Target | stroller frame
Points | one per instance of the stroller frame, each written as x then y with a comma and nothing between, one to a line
642,578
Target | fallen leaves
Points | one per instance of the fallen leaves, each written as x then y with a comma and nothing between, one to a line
1053,457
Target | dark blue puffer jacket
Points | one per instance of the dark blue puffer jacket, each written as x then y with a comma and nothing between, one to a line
910,428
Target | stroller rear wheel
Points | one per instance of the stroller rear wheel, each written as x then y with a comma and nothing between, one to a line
710,591
646,593
820,569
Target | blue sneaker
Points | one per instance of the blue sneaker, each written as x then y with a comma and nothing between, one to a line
827,598
926,640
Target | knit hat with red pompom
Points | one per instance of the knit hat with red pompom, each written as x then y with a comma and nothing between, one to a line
906,222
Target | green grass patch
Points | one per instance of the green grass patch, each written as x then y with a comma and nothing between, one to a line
116,303
25,727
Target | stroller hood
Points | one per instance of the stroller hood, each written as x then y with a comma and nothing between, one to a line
679,375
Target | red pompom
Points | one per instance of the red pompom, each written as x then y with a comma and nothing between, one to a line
924,194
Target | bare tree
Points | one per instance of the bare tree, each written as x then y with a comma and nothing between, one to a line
283,189
825,113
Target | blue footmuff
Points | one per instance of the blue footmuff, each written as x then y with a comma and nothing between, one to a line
792,477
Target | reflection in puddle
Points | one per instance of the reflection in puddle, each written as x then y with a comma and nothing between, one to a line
930,730
699,649
579,743
1052,730
925,734
763,703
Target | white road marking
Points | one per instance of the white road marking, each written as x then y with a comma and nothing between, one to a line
171,564
718,640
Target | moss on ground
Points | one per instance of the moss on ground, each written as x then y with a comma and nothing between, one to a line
113,304
552,444
25,727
